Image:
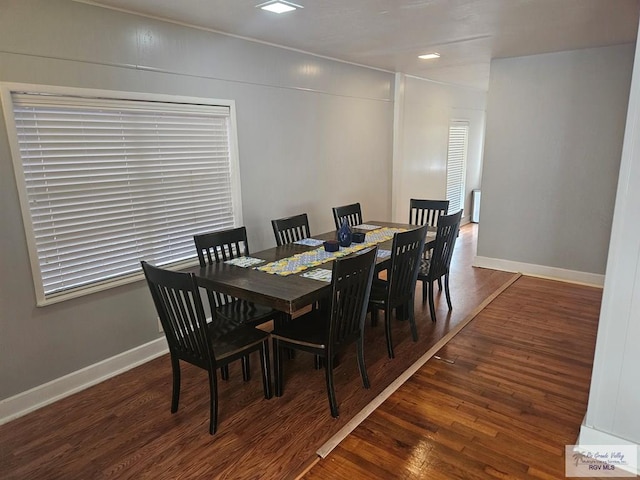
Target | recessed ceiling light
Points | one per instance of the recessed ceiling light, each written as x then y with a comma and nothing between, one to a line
278,6
428,56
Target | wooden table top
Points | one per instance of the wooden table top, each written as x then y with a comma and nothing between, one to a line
284,293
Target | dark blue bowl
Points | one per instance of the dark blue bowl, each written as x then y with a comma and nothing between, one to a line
331,246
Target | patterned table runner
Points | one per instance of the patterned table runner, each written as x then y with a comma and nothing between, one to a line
312,258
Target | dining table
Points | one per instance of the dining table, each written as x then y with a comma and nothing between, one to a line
251,278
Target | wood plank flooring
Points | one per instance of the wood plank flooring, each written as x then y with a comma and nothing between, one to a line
509,393
122,428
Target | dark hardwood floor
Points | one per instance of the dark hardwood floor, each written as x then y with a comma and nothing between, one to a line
122,428
509,393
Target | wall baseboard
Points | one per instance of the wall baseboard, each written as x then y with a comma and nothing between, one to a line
542,271
42,395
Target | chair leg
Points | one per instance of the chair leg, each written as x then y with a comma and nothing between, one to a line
175,396
361,364
387,326
432,308
281,320
374,317
213,402
424,291
317,362
331,392
224,372
446,291
412,321
440,284
266,369
277,360
246,368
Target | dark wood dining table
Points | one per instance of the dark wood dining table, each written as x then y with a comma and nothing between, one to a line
289,293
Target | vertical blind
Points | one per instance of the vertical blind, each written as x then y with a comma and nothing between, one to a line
111,182
456,164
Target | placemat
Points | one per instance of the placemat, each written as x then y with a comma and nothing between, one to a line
322,274
311,242
366,226
245,261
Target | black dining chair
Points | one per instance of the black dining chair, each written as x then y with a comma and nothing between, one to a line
437,265
291,229
352,213
427,212
397,291
193,340
326,333
220,246
288,230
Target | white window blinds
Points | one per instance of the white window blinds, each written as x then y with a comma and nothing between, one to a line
456,164
110,182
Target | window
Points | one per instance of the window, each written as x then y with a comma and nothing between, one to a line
456,164
106,181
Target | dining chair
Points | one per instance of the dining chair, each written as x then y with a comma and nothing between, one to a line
288,230
291,229
353,214
191,339
437,265
220,246
397,291
325,333
427,212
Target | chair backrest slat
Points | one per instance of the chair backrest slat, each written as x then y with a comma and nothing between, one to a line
350,288
406,251
442,252
427,212
352,213
291,229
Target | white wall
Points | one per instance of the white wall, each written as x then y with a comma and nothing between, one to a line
555,125
312,134
613,413
423,112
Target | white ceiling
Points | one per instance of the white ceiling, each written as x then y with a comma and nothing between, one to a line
390,34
